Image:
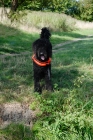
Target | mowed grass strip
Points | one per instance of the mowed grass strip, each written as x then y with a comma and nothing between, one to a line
16,41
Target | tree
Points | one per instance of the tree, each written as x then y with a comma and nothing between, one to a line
86,9
82,9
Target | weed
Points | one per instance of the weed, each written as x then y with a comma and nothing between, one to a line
64,118
17,131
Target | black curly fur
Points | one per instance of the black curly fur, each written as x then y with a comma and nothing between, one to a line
42,49
45,33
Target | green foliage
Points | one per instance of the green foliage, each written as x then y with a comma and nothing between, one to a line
54,5
81,9
16,132
86,9
64,118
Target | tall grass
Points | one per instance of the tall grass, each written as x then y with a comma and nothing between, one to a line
33,19
48,19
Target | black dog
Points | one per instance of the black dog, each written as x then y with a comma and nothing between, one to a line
42,50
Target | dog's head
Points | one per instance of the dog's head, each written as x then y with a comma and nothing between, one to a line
42,50
42,47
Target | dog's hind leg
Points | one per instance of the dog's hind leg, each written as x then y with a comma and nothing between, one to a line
37,87
48,80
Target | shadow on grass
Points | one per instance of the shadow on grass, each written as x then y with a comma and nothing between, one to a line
65,36
64,78
78,52
15,41
70,34
16,76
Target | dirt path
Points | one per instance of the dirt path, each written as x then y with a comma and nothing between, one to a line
16,113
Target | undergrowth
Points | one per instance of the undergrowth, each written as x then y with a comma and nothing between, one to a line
64,116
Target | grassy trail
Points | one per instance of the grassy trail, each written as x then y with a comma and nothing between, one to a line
71,41
56,48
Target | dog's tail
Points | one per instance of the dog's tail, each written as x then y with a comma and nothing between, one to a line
45,33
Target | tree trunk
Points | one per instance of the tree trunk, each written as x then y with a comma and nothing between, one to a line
14,5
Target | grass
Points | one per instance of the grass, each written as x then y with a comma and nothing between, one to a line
15,41
65,114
